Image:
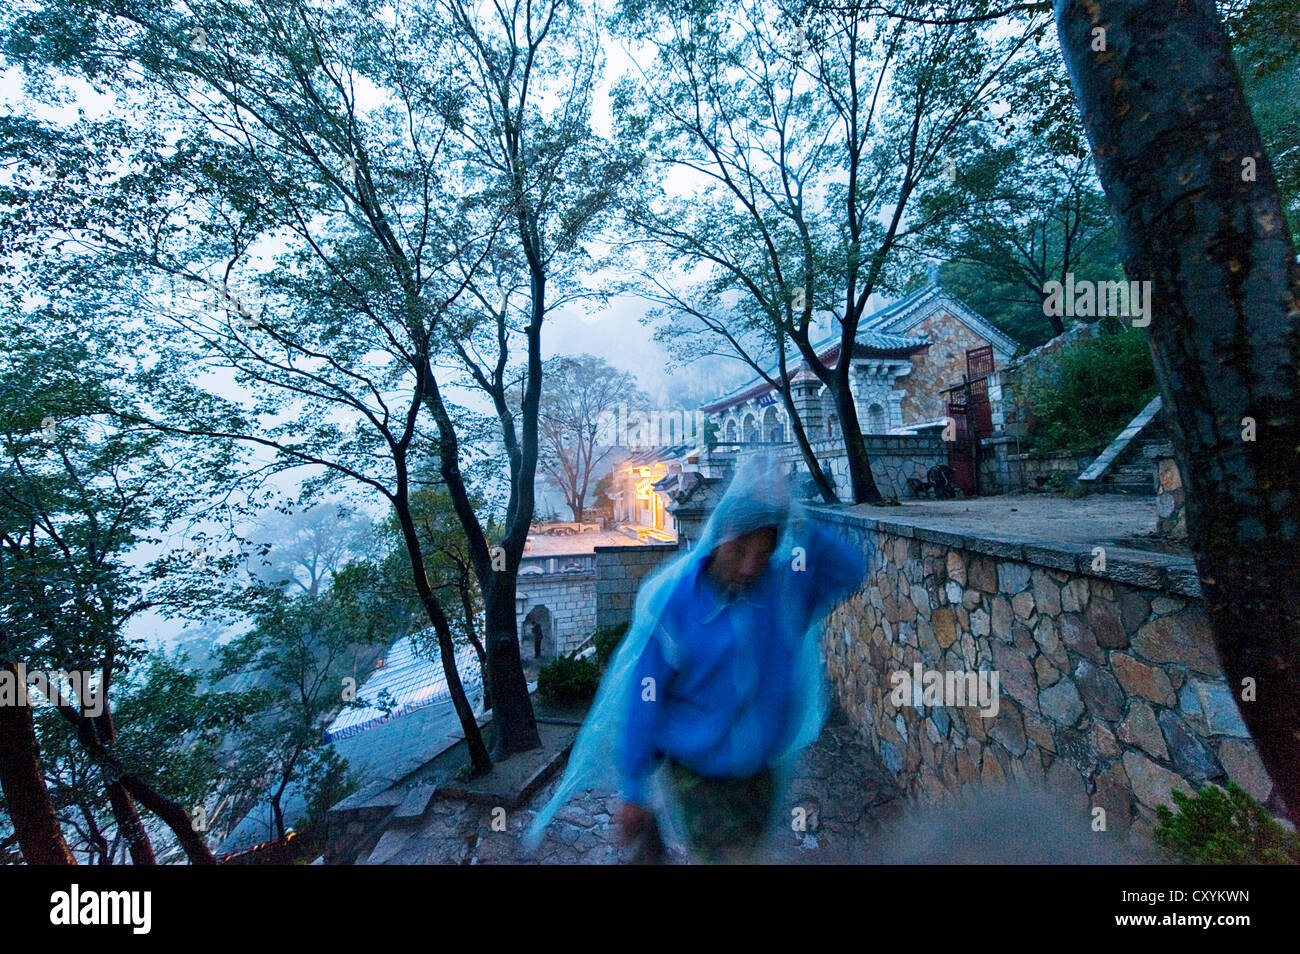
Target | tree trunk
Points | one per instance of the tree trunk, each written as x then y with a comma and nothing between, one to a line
99,843
130,825
128,819
512,715
277,809
478,753
1169,129
277,816
861,480
467,607
174,816
30,810
512,708
805,447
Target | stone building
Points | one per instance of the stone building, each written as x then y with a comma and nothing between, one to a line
906,355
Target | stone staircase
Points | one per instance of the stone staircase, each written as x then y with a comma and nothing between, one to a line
1122,468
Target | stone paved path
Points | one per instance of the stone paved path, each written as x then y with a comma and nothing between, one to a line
844,791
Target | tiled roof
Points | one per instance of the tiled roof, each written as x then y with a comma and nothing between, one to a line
654,455
908,312
883,333
869,344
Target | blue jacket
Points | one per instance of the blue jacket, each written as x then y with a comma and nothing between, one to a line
714,687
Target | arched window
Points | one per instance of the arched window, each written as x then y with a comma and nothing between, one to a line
749,430
773,426
731,431
833,425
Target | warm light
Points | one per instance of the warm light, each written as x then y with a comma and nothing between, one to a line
648,477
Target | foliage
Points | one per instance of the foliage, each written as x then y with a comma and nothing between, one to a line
607,639
819,136
568,680
87,502
168,731
172,727
79,490
299,651
1066,485
384,582
1000,258
385,209
1266,42
328,781
601,502
306,547
1224,827
1075,490
1034,211
1082,395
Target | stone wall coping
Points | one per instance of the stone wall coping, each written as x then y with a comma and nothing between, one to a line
1054,455
558,577
1142,568
648,547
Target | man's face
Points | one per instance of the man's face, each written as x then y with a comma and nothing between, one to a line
737,563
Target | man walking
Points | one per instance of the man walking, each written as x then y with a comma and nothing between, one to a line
718,683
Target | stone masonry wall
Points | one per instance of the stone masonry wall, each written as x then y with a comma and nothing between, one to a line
619,571
1171,500
1111,692
571,598
1004,470
939,366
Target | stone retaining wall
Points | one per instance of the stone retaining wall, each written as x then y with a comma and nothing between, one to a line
1171,500
1111,692
1003,469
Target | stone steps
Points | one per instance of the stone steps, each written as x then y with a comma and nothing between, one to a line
1111,455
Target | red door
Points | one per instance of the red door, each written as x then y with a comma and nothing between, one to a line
959,450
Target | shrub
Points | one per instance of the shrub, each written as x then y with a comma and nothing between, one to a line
607,639
329,780
1086,393
568,680
1224,827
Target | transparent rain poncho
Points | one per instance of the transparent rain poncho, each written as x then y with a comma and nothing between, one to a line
758,496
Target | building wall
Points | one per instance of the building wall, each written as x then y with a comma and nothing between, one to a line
939,366
571,598
878,390
629,508
1111,694
619,572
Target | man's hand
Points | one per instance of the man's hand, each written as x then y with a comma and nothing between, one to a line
633,819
